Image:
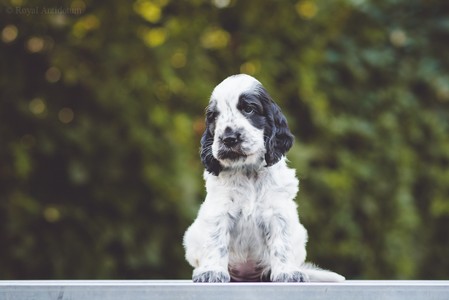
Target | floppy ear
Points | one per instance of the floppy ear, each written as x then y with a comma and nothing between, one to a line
278,138
211,164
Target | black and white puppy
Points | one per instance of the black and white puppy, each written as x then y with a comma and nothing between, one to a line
248,228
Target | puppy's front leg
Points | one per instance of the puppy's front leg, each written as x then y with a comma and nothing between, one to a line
279,236
206,244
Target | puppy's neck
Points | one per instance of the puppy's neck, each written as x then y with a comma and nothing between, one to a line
250,171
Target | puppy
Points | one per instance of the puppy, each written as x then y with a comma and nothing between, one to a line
248,228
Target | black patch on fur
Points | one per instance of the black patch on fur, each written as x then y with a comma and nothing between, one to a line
223,251
251,107
266,277
211,276
211,164
229,154
280,256
277,135
290,277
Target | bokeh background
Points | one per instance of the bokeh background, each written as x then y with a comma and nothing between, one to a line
101,113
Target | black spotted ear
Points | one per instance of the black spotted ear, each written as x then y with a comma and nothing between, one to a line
211,164
278,138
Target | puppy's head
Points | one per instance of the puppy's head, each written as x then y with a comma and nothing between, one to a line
243,126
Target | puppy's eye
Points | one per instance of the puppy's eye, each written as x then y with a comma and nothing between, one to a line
248,110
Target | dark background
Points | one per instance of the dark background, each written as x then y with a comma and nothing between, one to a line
101,113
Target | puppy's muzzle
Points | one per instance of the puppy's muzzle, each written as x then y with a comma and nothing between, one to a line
231,145
231,138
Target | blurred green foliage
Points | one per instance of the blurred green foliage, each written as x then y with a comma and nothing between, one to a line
101,112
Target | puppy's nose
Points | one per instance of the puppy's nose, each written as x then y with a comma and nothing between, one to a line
230,137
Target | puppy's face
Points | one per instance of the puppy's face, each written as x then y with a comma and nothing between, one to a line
243,126
236,117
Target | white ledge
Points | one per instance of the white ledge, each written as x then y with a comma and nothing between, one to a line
184,289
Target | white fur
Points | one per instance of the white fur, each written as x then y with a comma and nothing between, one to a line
249,219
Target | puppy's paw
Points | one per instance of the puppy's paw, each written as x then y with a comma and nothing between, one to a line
210,275
294,276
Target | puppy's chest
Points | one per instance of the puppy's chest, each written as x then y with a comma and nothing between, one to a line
247,200
247,206
247,230
247,242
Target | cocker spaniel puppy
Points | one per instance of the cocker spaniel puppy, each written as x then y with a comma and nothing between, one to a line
248,228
